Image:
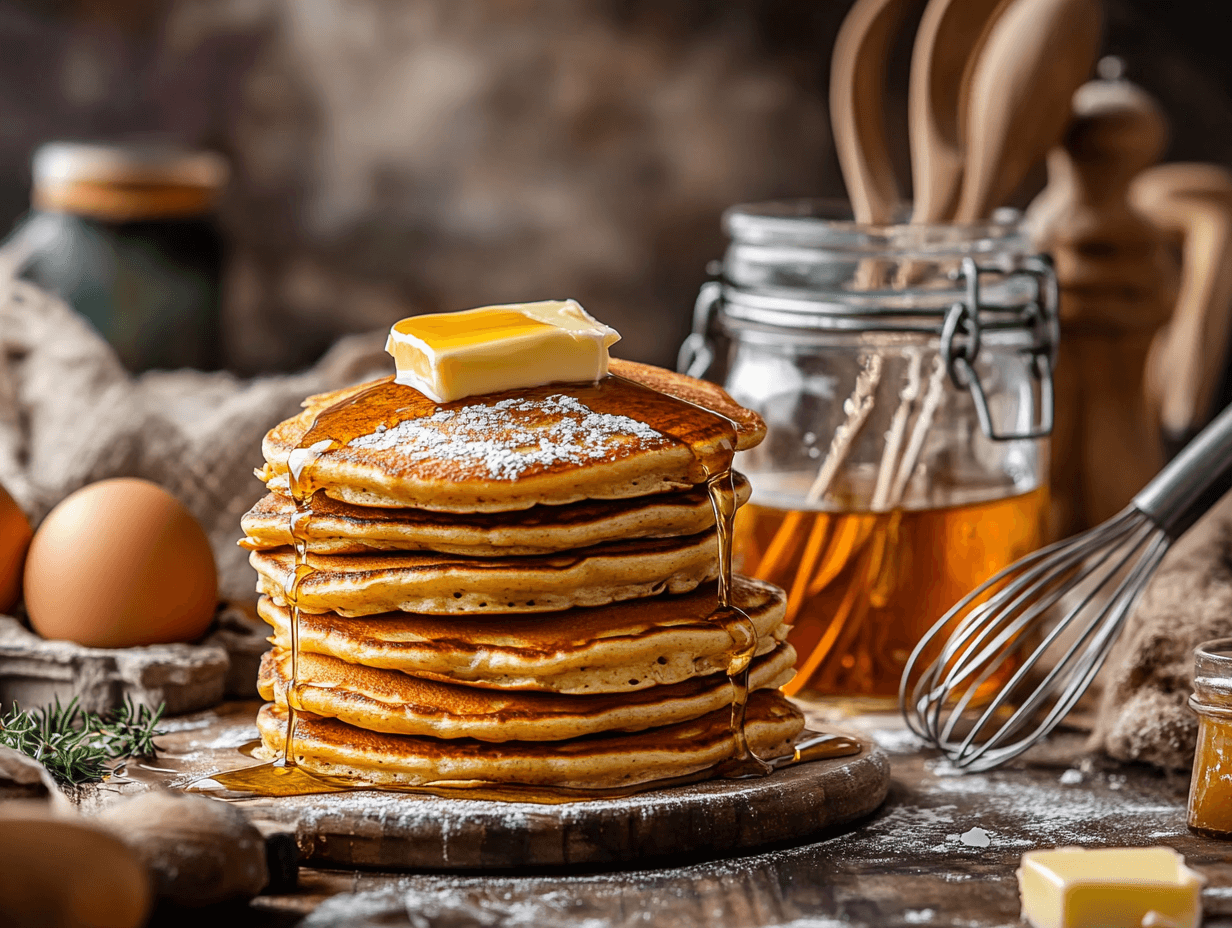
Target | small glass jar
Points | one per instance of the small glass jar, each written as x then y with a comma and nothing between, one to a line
904,373
1210,790
125,234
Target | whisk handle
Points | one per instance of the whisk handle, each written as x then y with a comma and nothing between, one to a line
1193,481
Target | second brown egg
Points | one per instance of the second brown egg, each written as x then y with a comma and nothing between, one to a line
120,563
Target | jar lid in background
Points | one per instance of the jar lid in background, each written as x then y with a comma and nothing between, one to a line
126,182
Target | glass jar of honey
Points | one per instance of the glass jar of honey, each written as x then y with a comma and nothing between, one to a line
905,376
1210,790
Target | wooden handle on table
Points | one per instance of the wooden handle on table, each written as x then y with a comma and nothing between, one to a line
1194,203
857,83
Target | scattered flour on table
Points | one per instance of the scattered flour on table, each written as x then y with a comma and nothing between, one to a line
189,723
1048,818
941,767
1035,815
235,738
919,916
896,740
1071,777
354,909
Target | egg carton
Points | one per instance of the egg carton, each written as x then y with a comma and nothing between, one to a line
184,677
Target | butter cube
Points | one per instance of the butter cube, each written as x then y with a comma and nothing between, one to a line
1109,888
447,356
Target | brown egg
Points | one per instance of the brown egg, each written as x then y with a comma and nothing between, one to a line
119,563
15,535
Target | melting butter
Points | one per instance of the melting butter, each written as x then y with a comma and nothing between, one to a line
447,356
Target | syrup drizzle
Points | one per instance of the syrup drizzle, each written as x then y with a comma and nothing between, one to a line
301,472
712,440
714,446
283,776
736,623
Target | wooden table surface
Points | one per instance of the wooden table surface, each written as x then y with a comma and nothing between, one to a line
942,850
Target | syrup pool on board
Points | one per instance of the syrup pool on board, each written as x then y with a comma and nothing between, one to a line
252,781
712,439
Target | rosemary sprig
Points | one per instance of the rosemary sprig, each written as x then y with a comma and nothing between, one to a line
75,746
132,730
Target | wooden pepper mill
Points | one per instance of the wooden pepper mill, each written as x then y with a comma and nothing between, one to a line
1140,356
1118,286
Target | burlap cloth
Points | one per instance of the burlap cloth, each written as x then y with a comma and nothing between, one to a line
70,414
1144,713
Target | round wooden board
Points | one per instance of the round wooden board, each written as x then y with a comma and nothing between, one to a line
404,831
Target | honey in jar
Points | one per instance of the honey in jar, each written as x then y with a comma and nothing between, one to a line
1210,790
863,587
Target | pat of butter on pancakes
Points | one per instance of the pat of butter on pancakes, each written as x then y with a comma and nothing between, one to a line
493,349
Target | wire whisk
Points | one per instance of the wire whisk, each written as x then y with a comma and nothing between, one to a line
1004,666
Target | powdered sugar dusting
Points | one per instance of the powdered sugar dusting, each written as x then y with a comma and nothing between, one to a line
503,441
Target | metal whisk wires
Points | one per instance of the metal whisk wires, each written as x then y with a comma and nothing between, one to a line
1003,667
1094,579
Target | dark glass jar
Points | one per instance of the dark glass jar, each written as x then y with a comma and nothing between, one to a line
125,235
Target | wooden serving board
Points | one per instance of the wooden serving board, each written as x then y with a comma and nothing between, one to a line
404,831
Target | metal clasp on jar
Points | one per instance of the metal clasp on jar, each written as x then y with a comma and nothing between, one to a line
960,341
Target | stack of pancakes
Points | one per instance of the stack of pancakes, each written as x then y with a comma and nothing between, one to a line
511,589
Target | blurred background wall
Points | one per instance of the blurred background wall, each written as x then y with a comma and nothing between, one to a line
422,155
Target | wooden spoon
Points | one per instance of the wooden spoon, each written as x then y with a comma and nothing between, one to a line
1037,54
857,83
950,37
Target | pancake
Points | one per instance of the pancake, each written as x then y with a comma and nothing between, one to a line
616,648
340,528
441,584
332,747
396,703
558,444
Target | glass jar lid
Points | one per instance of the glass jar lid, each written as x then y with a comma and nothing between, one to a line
126,181
805,264
801,268
1213,678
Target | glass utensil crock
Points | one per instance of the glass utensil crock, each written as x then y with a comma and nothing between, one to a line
905,376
